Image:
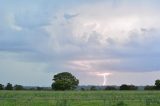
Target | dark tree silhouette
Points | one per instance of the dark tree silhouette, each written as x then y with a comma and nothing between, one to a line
9,87
124,87
128,87
157,84
1,87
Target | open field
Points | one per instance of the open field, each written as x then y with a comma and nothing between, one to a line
80,98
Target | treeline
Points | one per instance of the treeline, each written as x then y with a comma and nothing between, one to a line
9,86
122,87
155,87
127,87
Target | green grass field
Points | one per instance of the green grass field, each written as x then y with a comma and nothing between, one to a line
80,98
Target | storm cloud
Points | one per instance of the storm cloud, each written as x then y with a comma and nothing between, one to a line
83,37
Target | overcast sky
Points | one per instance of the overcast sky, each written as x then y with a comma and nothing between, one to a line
39,38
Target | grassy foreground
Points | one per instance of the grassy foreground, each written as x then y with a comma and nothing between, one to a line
80,98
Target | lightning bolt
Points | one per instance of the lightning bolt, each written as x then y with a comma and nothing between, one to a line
104,77
104,80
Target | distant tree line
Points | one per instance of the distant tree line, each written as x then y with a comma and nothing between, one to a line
9,86
155,87
127,87
122,87
66,81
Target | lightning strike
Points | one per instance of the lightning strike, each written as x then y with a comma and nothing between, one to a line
104,77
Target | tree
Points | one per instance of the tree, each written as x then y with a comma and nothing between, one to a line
124,87
110,88
64,81
9,87
1,87
18,87
128,87
149,87
93,88
157,84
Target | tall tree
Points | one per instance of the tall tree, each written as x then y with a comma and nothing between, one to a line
9,87
64,81
157,84
1,87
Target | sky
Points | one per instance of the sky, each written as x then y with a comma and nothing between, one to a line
88,38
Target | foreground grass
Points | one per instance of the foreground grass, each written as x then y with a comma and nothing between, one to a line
80,98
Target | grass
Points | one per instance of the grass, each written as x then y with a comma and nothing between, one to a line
80,98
